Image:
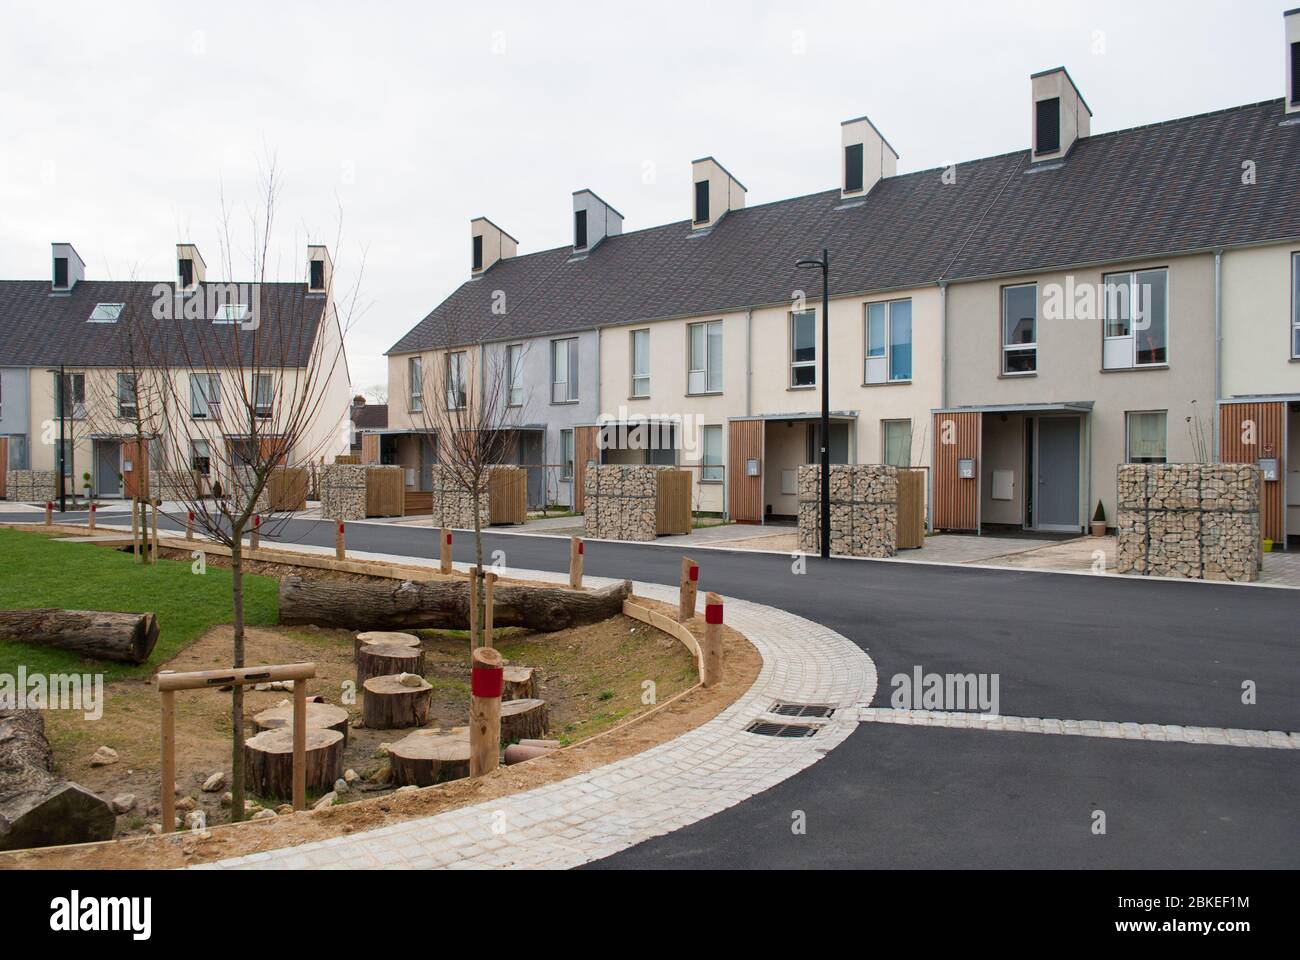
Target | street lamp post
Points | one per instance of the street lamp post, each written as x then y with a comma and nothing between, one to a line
63,446
824,264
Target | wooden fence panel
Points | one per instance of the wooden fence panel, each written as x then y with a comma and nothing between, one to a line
1262,423
745,493
586,446
385,491
508,495
287,487
673,502
911,509
957,436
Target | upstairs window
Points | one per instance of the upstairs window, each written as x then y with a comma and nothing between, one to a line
415,385
185,269
106,313
1295,306
231,313
702,201
515,375
457,392
477,255
1047,126
317,279
640,363
704,357
564,370
853,168
803,349
263,395
60,271
205,396
1295,72
580,229
72,396
1020,329
126,399
1135,326
889,342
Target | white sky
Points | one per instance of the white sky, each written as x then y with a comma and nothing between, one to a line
122,123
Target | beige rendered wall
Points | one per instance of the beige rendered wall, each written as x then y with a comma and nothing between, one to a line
1257,293
400,416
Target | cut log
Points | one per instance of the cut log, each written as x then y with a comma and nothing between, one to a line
320,716
386,659
425,757
37,808
129,637
520,683
383,636
268,762
518,753
523,720
390,704
442,605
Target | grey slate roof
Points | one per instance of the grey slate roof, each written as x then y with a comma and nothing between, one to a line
1149,191
373,416
37,329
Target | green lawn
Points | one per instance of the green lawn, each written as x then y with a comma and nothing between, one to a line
37,572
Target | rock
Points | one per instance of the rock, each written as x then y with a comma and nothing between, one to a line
341,786
195,819
186,803
155,828
103,757
215,782
123,803
381,775
227,798
325,801
251,805
409,788
357,724
410,680
382,749
351,776
284,808
263,815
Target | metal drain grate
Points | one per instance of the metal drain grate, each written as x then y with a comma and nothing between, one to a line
815,710
765,729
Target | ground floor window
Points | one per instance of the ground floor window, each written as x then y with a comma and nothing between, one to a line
712,436
17,451
1147,437
898,442
566,454
201,457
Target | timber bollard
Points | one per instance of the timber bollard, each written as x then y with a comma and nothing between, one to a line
254,538
153,545
474,574
340,546
576,548
444,551
711,648
489,583
487,679
189,526
49,512
92,516
689,588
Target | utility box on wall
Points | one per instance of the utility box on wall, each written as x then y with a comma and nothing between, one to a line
965,469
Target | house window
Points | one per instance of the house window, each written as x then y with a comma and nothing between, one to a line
457,397
1048,126
205,396
106,313
640,363
185,267
853,168
702,201
231,313
1147,437
515,375
704,368
263,395
478,253
898,442
60,271
1020,329
566,454
126,399
889,342
803,349
580,229
201,457
1295,73
564,370
1295,305
712,437
414,384
317,281
72,398
18,451
1135,326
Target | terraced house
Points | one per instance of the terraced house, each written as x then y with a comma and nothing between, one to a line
1018,325
71,349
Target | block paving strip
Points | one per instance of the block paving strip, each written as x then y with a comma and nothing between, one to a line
1108,729
596,814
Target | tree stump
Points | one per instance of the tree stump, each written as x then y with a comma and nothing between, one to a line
386,659
389,704
520,683
523,720
425,757
384,636
129,637
320,716
268,761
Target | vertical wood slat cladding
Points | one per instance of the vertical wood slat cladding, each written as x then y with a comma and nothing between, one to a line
1270,438
585,447
135,482
370,448
744,494
956,502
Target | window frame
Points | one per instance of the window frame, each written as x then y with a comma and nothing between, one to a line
75,396
415,384
571,360
703,371
122,379
888,355
580,229
696,218
712,472
813,364
1132,282
1295,305
476,253
884,441
635,393
456,380
1005,347
514,375
1128,434
226,313
854,167
1039,149
110,315
194,457
208,400
263,411
567,456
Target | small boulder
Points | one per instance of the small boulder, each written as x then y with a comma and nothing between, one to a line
227,798
186,803
123,803
410,680
215,782
409,788
263,815
382,749
283,809
341,786
103,757
351,776
196,819
325,801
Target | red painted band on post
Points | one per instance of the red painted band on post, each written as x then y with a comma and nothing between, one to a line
449,539
340,528
487,682
93,507
695,573
713,613
257,520
582,547
191,516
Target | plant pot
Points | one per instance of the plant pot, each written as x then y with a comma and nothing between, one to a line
1267,546
1099,528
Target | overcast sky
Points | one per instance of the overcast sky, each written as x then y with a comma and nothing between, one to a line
124,122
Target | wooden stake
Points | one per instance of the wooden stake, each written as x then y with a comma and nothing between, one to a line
92,516
486,680
689,587
711,648
153,550
254,538
489,580
189,526
473,607
168,761
444,550
576,549
49,512
135,528
340,548
300,744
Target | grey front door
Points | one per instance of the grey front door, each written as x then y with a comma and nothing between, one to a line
1058,473
108,467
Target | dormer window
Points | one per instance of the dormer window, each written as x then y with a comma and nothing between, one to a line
60,272
1295,73
1047,126
317,279
478,253
853,168
580,229
231,313
185,269
106,313
702,201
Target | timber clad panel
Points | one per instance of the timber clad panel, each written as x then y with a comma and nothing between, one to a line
1240,423
385,493
507,495
672,502
957,436
911,509
370,448
744,494
585,447
135,481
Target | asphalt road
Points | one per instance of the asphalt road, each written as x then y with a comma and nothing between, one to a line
1067,647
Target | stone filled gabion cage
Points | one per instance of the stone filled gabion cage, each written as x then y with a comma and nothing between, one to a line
31,486
343,491
1195,520
621,502
864,509
453,504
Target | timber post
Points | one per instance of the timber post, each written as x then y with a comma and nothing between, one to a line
689,588
576,550
487,677
711,648
340,544
444,551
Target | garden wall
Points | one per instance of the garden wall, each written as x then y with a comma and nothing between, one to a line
864,510
343,491
1196,520
621,502
30,486
453,506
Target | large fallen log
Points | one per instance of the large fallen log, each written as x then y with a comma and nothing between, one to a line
442,604
37,808
102,635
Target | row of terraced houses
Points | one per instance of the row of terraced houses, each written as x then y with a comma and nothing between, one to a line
1017,325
